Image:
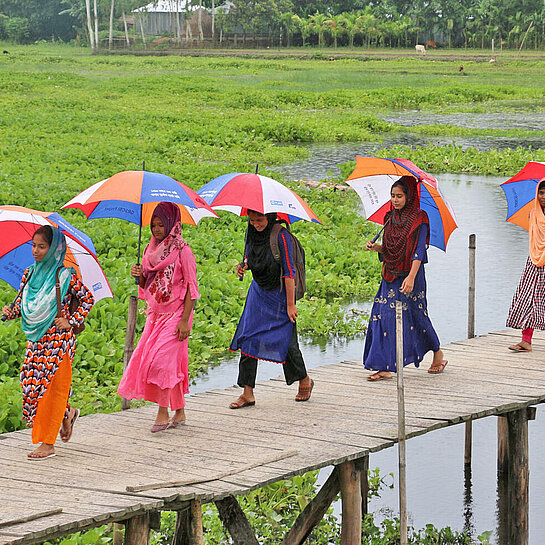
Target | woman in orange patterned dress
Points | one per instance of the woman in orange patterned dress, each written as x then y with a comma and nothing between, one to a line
46,373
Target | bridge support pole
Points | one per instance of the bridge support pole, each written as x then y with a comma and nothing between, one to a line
513,475
137,530
234,520
349,479
362,465
189,529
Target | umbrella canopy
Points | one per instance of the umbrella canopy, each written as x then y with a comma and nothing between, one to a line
239,192
132,195
520,191
372,179
18,225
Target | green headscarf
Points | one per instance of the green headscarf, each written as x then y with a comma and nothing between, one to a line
39,300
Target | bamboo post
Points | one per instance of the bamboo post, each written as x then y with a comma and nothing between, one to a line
351,503
518,476
235,521
137,530
313,513
470,334
129,340
401,426
189,530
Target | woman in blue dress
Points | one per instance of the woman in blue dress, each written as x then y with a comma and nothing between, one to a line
267,328
403,253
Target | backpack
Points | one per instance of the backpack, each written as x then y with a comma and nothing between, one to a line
298,257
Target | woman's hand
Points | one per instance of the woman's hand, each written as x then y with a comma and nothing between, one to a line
241,269
292,312
182,330
407,285
62,323
7,311
373,246
136,271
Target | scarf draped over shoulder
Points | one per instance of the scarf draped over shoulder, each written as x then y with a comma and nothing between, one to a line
39,298
537,232
160,257
400,237
265,270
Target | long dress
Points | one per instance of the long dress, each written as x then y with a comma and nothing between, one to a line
419,336
528,305
158,369
46,373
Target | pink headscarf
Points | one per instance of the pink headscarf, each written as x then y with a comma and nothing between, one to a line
160,257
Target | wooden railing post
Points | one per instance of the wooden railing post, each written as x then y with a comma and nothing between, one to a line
470,333
349,479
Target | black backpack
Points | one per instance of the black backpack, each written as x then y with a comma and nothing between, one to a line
298,257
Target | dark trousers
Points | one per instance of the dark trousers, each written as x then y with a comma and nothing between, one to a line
294,368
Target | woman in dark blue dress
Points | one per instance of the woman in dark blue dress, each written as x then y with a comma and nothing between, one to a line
267,328
403,253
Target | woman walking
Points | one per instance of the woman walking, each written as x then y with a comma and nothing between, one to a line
46,373
267,328
158,369
403,253
527,310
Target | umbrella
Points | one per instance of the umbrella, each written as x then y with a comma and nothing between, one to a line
520,191
18,225
239,192
132,195
372,179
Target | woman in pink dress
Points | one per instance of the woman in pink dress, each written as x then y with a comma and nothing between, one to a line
158,369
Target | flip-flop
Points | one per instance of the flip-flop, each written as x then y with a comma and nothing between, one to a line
305,391
40,458
173,424
159,427
66,437
376,377
436,369
242,401
519,348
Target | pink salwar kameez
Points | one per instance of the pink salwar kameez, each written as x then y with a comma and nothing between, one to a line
158,369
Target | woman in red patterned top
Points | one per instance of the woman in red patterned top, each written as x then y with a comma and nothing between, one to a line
46,373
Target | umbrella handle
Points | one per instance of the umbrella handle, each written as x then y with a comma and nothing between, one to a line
375,238
11,305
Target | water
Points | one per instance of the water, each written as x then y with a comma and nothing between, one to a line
437,493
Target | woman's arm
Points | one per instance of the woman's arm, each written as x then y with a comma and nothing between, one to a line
85,299
288,272
13,310
408,283
183,329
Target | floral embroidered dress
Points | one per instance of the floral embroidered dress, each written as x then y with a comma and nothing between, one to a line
158,369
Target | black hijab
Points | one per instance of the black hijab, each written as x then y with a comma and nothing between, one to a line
265,270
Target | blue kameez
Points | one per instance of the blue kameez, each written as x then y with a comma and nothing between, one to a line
419,336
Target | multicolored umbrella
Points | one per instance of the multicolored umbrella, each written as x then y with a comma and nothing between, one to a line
18,225
520,191
239,192
132,195
373,178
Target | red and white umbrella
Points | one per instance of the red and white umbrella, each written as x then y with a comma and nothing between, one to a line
239,192
18,225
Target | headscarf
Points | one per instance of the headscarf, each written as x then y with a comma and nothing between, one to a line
537,230
401,232
160,257
39,299
265,269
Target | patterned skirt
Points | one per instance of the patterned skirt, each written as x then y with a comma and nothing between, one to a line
419,336
528,305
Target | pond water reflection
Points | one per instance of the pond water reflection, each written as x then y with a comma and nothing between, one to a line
438,490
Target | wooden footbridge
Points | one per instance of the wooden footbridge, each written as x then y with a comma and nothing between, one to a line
115,471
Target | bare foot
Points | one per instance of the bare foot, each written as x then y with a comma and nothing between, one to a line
179,416
379,375
45,450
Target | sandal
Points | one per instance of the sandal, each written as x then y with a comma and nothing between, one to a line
159,427
66,435
242,401
379,376
435,369
304,392
519,348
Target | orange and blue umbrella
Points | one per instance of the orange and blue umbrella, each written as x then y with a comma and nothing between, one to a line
132,195
373,178
18,225
239,192
520,192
